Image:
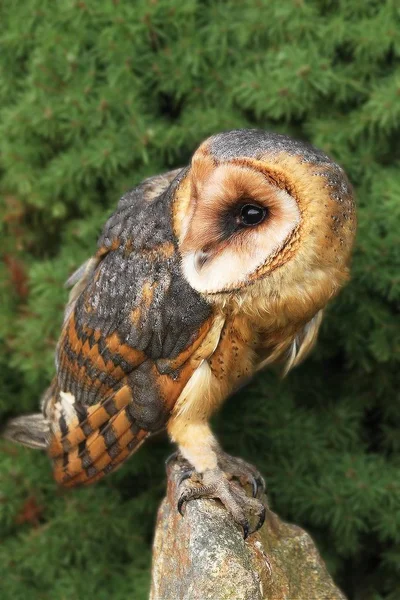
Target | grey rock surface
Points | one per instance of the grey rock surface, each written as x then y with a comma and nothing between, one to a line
203,556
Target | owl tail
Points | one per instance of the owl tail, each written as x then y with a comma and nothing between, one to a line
29,430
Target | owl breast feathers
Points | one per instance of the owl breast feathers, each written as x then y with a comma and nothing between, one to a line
202,276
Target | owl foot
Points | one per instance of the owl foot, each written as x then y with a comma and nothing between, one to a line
244,472
215,483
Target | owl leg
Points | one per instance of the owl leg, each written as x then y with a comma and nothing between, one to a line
213,474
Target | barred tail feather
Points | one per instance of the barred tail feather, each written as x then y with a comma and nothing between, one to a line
29,430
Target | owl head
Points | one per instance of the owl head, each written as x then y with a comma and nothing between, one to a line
263,216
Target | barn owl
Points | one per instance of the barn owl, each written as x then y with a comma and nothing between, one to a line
202,276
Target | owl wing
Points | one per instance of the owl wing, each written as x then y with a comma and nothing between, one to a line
134,334
147,191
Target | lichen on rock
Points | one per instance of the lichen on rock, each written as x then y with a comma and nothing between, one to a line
203,556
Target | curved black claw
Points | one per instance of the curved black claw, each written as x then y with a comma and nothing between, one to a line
258,485
246,531
261,520
171,458
244,472
189,494
255,485
185,475
181,502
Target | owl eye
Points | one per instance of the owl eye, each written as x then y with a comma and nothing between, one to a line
251,214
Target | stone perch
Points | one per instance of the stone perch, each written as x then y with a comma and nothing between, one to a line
203,556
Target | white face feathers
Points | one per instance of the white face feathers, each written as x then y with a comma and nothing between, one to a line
236,222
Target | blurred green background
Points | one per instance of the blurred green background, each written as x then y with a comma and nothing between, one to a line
97,95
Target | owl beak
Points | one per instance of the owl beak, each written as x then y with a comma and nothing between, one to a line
200,259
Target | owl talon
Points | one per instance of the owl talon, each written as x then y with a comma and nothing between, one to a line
258,486
215,484
254,487
190,493
237,468
261,520
185,475
181,505
172,457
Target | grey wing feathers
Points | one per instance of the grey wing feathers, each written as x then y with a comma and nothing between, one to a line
154,186
147,191
78,281
29,430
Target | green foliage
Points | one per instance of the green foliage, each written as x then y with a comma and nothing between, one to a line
94,96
